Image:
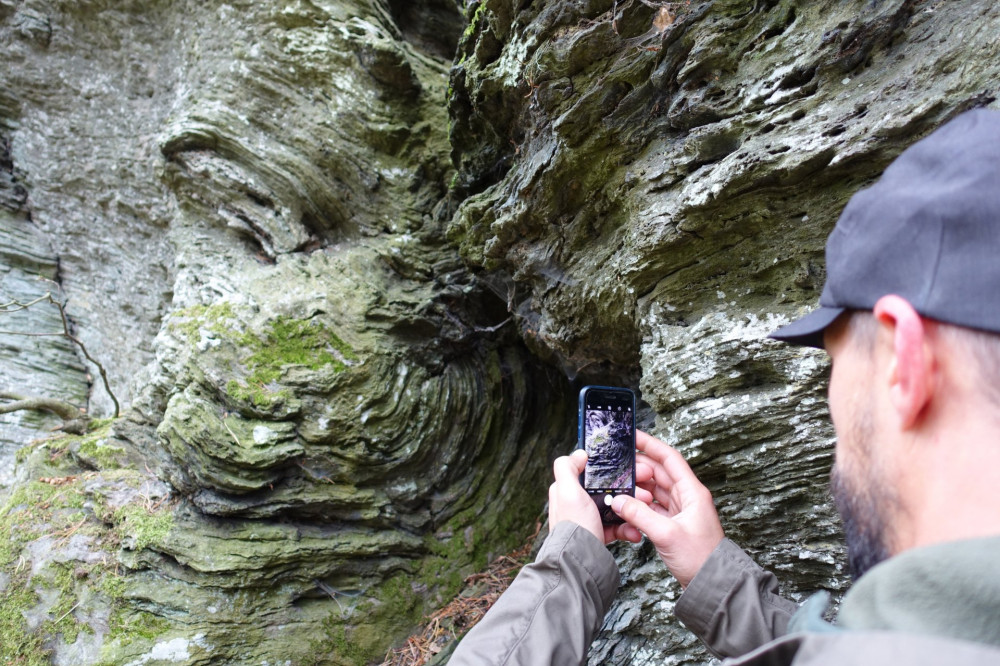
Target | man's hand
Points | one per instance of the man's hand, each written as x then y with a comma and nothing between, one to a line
680,519
569,501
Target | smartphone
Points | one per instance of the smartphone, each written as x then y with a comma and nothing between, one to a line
607,433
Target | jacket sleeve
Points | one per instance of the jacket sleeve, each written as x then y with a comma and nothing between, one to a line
732,604
552,610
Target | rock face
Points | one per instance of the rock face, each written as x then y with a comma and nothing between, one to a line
331,418
346,263
650,186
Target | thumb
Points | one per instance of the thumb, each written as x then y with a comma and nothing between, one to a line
568,468
657,527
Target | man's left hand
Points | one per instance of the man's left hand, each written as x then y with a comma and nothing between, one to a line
569,501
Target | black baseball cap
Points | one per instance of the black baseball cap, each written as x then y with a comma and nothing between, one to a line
928,230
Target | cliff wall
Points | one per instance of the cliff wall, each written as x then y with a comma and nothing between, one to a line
346,264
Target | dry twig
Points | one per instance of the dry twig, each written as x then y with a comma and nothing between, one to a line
64,410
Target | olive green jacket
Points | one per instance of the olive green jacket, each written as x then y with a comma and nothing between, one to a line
926,606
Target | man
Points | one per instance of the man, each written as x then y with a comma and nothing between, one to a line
910,316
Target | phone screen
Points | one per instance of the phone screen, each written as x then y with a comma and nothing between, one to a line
607,432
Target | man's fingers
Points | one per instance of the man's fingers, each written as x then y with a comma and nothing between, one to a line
653,524
643,470
643,495
627,533
651,478
648,469
647,443
659,451
662,454
675,469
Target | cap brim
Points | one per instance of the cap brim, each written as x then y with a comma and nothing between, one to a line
807,331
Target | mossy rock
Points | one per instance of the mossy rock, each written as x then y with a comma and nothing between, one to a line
64,591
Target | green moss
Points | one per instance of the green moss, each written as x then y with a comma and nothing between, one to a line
216,319
474,21
97,453
403,600
33,510
30,505
284,343
143,526
295,342
256,394
92,450
16,518
400,603
48,456
475,539
395,604
113,587
98,424
60,509
128,625
17,644
439,569
61,578
342,647
24,453
287,342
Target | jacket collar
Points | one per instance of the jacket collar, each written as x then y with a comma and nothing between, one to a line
950,589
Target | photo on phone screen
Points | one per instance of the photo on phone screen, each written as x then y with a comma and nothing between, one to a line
607,433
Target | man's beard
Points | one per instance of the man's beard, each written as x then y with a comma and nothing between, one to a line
865,504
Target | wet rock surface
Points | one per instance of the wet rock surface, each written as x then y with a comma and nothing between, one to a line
345,263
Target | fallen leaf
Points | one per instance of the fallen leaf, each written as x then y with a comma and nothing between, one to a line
57,481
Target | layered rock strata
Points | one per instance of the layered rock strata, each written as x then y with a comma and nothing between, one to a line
346,262
331,421
650,186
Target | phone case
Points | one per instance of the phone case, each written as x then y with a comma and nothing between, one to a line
615,473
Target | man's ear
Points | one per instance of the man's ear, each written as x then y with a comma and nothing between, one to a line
911,372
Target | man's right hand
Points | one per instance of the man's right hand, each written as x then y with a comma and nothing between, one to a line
681,521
